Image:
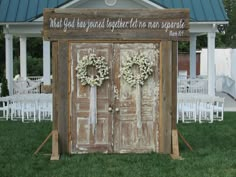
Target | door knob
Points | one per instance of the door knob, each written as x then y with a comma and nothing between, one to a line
110,109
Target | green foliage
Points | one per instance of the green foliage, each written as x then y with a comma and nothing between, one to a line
1,70
34,48
227,35
4,87
220,40
201,42
16,66
2,53
230,32
183,47
34,66
213,154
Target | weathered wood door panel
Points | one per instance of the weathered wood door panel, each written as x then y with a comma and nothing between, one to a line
127,136
84,137
116,129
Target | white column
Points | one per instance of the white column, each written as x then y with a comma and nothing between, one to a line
211,63
23,57
46,63
9,61
193,43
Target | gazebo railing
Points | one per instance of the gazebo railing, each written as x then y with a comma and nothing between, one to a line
35,78
26,86
189,85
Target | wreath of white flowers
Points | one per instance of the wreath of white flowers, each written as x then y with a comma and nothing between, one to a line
145,70
100,65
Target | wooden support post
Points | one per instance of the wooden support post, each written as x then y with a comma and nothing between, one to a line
43,143
55,151
174,133
175,145
60,93
165,97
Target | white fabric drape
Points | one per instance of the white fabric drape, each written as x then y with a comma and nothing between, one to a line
138,105
93,107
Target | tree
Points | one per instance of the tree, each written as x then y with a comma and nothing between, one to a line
4,87
230,31
2,53
227,33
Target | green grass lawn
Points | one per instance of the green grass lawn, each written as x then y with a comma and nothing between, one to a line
214,154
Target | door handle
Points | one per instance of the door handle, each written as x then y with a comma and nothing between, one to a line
110,109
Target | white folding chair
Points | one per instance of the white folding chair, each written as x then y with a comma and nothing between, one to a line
179,108
15,106
205,109
4,107
45,107
29,108
218,108
189,109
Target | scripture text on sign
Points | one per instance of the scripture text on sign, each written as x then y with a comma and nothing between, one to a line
109,24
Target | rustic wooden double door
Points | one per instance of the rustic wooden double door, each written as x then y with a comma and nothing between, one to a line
116,127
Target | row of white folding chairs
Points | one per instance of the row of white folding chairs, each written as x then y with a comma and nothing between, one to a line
199,107
28,107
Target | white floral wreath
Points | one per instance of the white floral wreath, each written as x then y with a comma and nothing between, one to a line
145,70
99,63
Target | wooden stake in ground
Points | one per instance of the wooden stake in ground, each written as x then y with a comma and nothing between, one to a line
185,141
175,143
43,143
55,151
175,146
55,154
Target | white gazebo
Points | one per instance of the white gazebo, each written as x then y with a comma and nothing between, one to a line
27,21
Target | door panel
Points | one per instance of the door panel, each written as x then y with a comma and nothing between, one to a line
129,138
84,138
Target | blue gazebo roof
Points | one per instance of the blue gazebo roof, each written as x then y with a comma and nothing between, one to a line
28,10
25,10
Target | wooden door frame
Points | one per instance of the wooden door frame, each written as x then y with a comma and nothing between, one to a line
168,95
62,90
